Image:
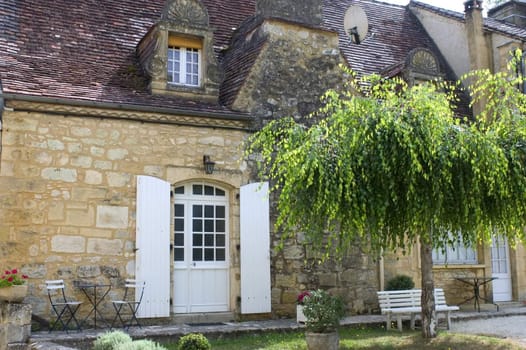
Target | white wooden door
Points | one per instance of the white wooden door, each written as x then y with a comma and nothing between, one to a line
500,265
201,256
255,249
152,259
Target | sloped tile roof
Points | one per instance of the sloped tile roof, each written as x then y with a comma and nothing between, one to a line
85,50
393,33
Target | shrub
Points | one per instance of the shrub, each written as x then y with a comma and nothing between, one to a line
400,282
142,344
323,311
110,340
194,341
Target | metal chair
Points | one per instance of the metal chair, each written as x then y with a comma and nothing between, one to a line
64,309
129,304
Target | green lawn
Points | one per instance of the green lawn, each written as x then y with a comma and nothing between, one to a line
365,338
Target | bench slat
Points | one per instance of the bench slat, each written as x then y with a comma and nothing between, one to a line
400,302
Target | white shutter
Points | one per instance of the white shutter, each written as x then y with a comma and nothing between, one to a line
152,260
255,249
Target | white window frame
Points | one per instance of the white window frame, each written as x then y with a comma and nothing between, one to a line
456,254
182,65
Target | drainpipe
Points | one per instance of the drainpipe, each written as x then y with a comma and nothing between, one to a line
477,43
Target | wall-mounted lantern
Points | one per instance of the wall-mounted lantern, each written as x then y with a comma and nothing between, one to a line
208,164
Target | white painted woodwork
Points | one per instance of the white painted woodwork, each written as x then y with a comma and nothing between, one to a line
201,286
152,260
255,248
500,265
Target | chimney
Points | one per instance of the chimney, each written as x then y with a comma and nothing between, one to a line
308,12
477,43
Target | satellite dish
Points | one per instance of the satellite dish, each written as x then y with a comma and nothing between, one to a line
355,23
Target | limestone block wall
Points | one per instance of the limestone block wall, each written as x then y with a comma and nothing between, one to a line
297,65
67,191
15,326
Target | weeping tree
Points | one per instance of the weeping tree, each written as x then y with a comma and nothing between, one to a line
390,165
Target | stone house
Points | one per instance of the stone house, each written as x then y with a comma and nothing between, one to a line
122,132
469,41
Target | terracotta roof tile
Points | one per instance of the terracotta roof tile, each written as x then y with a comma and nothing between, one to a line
393,33
87,51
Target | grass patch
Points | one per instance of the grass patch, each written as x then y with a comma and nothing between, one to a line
365,339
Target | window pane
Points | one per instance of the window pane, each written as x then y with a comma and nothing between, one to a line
220,192
209,225
209,240
179,190
179,254
209,211
220,254
197,211
456,253
209,191
220,226
209,254
220,212
179,224
197,189
197,240
220,240
197,225
179,210
179,239
197,254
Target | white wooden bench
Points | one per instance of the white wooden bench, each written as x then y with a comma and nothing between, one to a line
408,302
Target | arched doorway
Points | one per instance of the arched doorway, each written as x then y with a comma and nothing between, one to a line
200,251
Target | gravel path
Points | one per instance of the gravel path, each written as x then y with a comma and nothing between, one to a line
513,327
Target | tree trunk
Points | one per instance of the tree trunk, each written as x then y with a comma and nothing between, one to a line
429,320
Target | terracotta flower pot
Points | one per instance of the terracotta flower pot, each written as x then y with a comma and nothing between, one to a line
325,341
13,294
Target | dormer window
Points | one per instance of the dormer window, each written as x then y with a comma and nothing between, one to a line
184,61
177,53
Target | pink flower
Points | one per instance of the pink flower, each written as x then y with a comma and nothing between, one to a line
302,296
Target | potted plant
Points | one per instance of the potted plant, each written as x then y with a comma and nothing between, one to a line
12,286
300,300
323,313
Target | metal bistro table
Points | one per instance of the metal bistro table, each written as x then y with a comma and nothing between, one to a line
95,293
476,283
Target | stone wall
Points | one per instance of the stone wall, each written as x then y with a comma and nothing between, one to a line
15,326
68,187
296,66
307,11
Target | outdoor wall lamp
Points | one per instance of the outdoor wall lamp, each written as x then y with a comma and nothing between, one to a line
208,164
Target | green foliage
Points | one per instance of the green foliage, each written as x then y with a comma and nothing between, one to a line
142,344
322,311
400,282
388,164
110,340
194,341
118,340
